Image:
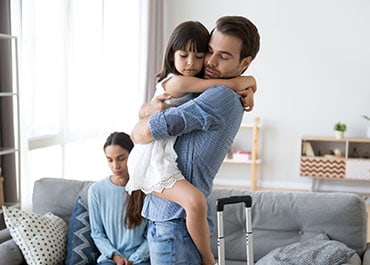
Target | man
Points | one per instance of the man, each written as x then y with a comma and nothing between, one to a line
206,128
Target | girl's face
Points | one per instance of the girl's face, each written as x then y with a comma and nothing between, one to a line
188,63
117,160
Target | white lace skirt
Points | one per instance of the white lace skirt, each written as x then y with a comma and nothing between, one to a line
153,166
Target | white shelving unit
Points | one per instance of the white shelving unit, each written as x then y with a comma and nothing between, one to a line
319,161
254,161
10,97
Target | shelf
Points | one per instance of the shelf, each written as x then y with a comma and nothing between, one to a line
7,94
6,36
10,161
339,179
252,159
234,161
6,151
333,139
346,159
249,126
10,204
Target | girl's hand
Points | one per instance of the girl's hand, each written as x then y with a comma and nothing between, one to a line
247,98
244,82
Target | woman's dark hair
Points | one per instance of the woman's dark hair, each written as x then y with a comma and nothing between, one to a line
134,202
189,32
134,205
243,29
119,138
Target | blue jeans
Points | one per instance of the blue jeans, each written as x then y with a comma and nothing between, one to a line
171,244
111,262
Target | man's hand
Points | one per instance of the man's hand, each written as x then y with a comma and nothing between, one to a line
141,133
156,105
247,98
119,260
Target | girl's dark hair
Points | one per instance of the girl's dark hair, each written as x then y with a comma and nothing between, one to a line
189,32
134,202
243,29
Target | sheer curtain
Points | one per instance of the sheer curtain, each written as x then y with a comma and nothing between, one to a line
152,45
80,80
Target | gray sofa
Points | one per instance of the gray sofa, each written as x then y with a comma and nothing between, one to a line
278,218
283,218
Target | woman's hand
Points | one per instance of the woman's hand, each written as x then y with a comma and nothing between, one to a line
119,260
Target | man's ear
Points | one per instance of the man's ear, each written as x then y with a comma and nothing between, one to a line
245,63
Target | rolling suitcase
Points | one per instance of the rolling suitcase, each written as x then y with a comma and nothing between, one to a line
220,203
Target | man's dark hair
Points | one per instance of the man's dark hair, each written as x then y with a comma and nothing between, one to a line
243,29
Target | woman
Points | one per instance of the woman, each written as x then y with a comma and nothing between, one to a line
117,227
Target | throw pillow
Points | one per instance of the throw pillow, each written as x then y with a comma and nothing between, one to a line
41,238
80,246
318,250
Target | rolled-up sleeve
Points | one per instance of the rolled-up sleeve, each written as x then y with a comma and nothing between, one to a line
163,126
206,112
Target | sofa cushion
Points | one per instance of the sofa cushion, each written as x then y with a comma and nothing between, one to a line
80,246
41,238
5,235
48,193
318,250
281,218
10,253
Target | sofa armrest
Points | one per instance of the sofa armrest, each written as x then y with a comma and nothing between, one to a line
366,257
9,252
4,235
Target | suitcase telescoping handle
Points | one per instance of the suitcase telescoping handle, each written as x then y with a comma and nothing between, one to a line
220,203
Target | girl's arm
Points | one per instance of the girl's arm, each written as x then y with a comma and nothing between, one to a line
179,85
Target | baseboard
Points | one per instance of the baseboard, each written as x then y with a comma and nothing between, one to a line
304,184
238,183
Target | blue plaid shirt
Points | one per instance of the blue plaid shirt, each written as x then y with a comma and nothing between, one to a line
206,127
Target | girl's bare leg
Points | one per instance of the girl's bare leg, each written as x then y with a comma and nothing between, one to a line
194,203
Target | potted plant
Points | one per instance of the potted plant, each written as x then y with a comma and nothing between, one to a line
368,127
339,129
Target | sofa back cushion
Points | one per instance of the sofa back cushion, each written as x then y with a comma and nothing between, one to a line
283,218
58,195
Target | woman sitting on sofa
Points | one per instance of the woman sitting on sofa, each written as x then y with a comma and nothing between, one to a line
117,227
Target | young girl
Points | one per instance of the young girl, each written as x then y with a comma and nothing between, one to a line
152,167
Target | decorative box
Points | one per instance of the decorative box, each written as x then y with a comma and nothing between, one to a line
322,167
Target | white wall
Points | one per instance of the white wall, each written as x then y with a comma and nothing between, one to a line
313,69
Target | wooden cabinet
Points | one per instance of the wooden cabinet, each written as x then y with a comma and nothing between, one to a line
331,158
10,123
250,157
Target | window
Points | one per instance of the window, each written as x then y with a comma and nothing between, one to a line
79,82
